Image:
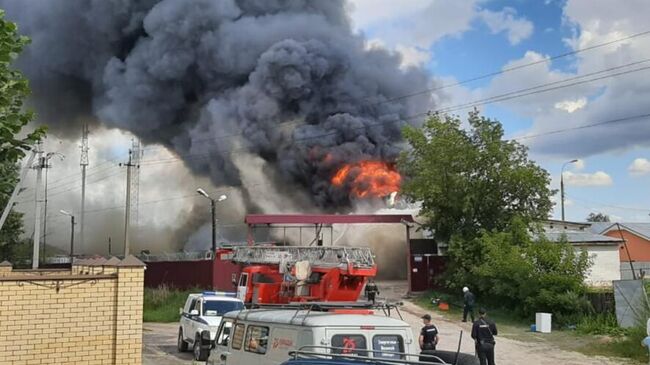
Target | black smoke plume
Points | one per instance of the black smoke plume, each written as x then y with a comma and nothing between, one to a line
287,80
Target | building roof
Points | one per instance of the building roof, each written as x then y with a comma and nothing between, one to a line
579,238
640,229
326,218
315,319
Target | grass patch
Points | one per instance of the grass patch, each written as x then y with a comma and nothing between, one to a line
161,304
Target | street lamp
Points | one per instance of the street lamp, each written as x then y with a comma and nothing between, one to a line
562,185
213,203
71,233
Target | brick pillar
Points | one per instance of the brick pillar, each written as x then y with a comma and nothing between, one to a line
130,292
5,268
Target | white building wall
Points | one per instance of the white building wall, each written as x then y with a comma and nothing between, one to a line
606,264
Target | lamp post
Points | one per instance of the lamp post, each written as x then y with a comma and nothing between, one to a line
71,232
213,203
562,185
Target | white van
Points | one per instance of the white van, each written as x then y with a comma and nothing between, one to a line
265,336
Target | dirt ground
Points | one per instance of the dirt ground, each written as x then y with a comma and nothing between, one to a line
160,340
508,351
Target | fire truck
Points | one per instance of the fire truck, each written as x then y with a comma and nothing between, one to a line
294,274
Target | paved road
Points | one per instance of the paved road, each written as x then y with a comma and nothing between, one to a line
160,345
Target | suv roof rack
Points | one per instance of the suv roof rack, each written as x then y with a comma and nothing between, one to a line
308,352
310,307
386,307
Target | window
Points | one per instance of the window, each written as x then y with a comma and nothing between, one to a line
238,336
349,345
189,308
257,339
243,279
224,334
390,343
220,307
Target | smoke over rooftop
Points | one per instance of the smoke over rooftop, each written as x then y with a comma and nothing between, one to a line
285,80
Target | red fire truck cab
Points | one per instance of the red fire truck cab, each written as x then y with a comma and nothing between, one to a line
281,275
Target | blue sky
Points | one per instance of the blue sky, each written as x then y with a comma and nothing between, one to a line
469,38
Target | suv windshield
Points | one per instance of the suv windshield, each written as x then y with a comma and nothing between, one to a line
218,307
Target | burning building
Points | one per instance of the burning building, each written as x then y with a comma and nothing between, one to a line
223,83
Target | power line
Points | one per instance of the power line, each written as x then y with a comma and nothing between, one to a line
519,67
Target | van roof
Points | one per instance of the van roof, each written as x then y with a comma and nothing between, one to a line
215,297
314,319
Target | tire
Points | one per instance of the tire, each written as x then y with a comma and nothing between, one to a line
200,354
181,344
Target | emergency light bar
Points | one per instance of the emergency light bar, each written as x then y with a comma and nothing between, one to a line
220,293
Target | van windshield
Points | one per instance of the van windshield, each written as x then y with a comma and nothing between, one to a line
219,308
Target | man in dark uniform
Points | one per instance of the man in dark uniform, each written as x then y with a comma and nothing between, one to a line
483,332
371,291
469,301
428,335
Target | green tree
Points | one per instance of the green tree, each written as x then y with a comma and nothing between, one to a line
527,273
14,89
468,178
597,217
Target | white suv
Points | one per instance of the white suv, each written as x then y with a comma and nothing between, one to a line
203,312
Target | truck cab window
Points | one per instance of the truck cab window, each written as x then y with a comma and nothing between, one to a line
224,334
238,336
257,339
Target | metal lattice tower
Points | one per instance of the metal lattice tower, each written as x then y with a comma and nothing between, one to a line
135,178
84,164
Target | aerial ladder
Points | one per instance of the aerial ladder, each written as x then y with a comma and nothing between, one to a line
294,274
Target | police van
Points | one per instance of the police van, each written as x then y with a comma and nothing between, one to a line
203,312
266,336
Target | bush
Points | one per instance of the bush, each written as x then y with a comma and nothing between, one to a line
600,324
514,271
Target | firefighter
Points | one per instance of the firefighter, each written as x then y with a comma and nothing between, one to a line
483,332
428,335
468,308
371,291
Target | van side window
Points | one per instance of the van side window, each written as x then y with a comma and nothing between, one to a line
224,334
238,336
390,343
190,306
349,345
257,339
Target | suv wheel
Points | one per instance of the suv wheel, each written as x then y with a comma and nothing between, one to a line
200,354
181,345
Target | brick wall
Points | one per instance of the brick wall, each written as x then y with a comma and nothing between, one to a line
91,314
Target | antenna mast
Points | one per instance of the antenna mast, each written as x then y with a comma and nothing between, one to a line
84,164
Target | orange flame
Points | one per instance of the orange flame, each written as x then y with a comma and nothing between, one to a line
369,178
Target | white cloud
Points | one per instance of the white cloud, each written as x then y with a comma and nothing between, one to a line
506,20
598,178
611,98
413,56
640,166
571,105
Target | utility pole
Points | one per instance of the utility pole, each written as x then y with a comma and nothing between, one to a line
14,194
37,208
84,164
127,213
46,165
562,185
135,179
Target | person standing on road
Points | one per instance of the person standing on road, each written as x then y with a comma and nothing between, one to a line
483,332
468,308
428,335
371,291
